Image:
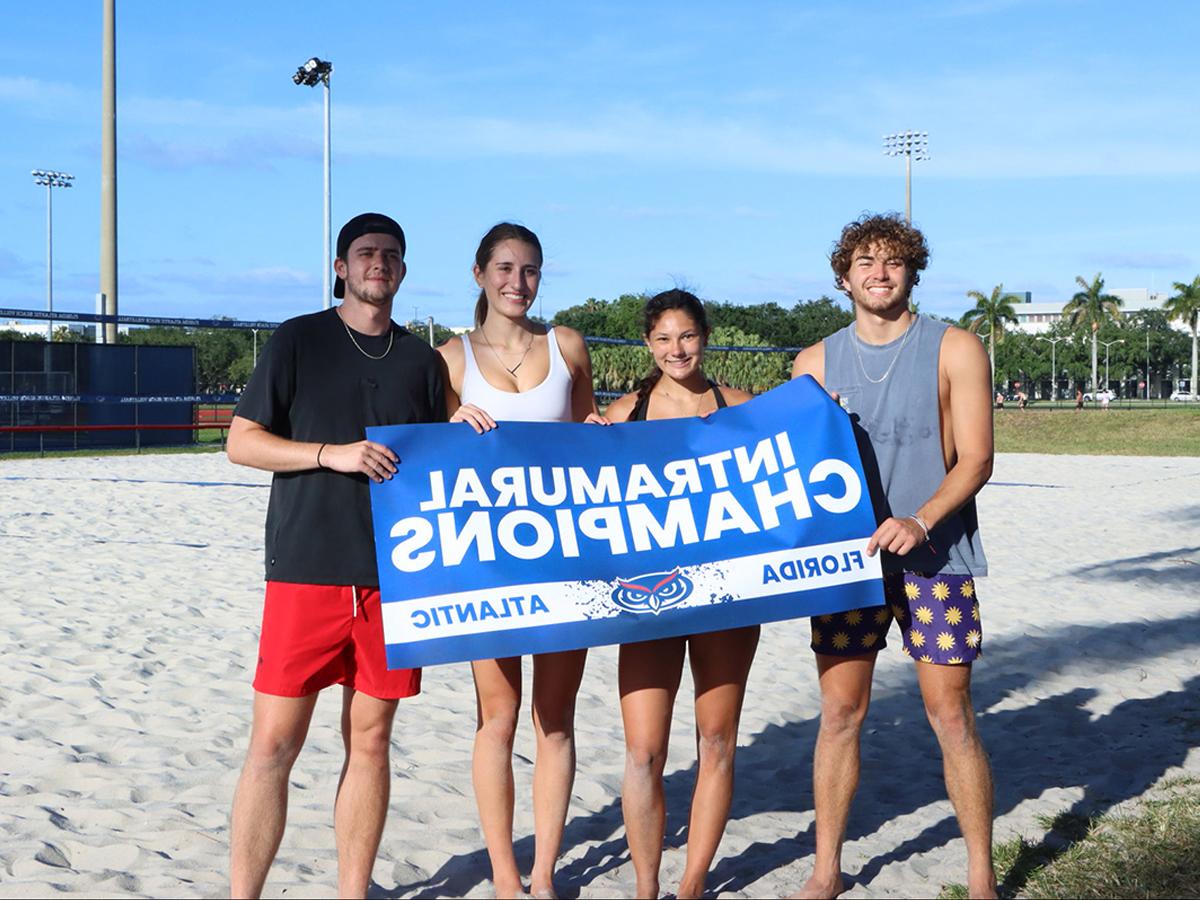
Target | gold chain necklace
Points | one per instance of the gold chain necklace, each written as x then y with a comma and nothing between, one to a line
391,339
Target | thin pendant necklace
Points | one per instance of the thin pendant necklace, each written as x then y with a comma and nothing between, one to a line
858,352
500,359
391,339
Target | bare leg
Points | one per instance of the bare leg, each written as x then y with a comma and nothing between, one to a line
362,797
845,696
720,666
498,699
648,674
279,727
556,678
946,691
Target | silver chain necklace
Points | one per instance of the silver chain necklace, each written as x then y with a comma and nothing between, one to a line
520,362
858,353
391,339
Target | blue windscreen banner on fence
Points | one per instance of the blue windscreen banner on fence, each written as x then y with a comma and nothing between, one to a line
539,537
118,398
59,315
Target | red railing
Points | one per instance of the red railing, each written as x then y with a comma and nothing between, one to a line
217,422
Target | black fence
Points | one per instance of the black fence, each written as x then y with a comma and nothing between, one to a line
75,384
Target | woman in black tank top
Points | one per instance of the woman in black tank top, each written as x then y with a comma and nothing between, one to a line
676,331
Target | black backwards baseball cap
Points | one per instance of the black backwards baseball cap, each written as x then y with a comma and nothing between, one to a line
366,223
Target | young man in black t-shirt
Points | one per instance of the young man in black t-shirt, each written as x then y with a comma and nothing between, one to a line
320,382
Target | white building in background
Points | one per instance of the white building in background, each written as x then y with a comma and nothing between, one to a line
1037,317
39,328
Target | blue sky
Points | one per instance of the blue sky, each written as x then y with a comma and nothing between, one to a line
718,145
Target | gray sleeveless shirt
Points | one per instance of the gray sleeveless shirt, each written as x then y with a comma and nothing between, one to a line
897,423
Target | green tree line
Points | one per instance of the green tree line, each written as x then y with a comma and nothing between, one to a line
618,368
1139,347
1138,342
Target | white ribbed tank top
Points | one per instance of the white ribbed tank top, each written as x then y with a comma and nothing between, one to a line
549,401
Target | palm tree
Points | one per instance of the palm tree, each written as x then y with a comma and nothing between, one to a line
992,311
1185,306
1093,306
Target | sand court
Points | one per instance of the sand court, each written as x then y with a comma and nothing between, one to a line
131,593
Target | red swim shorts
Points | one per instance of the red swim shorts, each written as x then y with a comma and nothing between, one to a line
315,635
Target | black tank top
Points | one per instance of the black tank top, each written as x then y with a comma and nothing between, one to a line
639,411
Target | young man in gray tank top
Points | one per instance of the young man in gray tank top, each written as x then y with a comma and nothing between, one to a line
919,395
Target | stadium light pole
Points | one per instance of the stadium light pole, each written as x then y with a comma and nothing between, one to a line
1053,342
317,71
1108,344
908,144
50,180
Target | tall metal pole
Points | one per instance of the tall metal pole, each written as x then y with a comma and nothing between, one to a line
1053,342
49,262
1108,344
108,174
1147,362
50,180
907,144
328,292
908,188
317,71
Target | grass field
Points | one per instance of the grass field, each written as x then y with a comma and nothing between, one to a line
1094,432
1144,431
1149,850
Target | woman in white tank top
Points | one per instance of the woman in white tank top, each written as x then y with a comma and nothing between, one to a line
509,368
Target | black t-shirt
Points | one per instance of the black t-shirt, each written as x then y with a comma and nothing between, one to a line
312,384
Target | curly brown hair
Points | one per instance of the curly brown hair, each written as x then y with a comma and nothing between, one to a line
890,230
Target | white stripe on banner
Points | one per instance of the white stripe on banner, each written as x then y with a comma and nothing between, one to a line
777,573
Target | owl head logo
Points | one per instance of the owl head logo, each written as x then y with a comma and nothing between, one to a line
652,592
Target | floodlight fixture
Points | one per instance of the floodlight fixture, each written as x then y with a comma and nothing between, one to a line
317,71
911,145
50,179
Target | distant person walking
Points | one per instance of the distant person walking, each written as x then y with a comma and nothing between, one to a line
1078,398
917,391
320,381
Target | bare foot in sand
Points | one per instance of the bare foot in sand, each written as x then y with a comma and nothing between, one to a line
818,888
510,891
985,891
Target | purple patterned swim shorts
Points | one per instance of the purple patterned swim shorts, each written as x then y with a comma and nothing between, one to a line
938,616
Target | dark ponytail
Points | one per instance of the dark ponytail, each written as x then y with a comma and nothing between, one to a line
498,234
645,386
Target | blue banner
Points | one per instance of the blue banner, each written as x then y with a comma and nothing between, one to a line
537,537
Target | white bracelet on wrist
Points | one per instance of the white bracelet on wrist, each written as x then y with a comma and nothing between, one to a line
921,522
